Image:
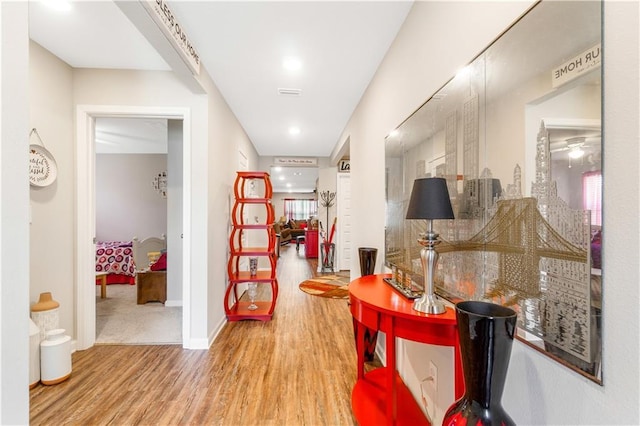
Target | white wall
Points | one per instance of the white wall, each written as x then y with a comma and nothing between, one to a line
52,208
14,214
436,39
127,206
226,139
143,88
216,137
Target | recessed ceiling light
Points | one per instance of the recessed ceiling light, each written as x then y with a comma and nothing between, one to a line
288,185
59,5
294,131
281,177
277,168
291,63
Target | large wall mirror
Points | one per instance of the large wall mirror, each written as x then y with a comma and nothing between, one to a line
517,136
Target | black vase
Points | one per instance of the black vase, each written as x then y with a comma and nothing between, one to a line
367,257
486,332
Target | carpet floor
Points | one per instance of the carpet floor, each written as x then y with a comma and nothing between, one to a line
121,321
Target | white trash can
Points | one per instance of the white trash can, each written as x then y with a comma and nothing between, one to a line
55,357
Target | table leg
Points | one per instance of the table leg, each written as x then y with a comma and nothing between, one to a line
103,286
390,342
358,331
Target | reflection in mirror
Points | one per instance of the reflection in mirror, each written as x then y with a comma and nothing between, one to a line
517,136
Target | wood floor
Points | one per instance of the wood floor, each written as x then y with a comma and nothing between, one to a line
297,369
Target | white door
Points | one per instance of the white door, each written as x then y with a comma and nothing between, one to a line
343,204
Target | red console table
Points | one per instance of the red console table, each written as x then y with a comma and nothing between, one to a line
311,243
380,396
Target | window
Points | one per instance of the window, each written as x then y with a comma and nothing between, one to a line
592,195
300,209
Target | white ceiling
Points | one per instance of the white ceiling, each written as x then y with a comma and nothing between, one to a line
116,135
93,34
242,45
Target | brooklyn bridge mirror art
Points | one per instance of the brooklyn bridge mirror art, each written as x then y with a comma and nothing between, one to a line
517,136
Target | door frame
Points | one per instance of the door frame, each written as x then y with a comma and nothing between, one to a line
85,318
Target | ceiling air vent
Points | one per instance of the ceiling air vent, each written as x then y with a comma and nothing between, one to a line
289,92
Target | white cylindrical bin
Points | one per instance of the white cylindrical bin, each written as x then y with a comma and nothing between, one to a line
34,354
55,357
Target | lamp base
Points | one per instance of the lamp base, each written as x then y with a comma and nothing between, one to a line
429,304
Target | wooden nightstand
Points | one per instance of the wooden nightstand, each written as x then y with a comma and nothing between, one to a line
152,286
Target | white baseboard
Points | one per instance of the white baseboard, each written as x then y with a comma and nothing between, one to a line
171,303
216,331
197,344
200,344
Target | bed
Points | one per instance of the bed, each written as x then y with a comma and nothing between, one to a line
121,259
115,258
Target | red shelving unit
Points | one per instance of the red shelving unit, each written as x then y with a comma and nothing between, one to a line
235,306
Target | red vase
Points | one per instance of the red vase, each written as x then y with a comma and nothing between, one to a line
486,332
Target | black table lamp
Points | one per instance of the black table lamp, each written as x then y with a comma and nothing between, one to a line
429,200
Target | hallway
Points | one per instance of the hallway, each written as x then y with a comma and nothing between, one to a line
297,369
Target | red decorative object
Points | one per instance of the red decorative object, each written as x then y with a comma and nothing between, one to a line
160,264
311,243
380,396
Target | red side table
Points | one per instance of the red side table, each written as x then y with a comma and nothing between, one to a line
380,396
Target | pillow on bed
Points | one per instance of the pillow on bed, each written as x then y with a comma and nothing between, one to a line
160,264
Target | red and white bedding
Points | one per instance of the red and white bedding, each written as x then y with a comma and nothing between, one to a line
116,258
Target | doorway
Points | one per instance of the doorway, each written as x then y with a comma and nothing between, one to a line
131,153
86,212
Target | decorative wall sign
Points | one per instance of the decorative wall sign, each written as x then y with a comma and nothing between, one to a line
43,169
344,166
166,21
575,67
295,161
160,184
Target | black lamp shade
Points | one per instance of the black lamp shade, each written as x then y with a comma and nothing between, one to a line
430,200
